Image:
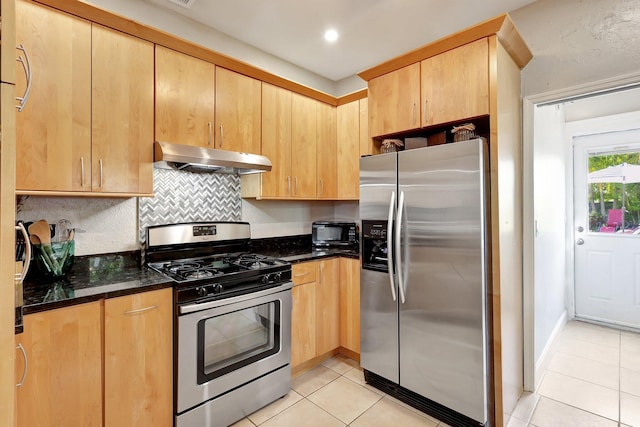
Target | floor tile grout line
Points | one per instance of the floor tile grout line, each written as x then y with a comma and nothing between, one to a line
578,408
587,381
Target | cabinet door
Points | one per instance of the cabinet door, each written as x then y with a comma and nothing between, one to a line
238,112
303,323
348,169
350,304
367,144
303,141
394,101
327,186
53,131
276,140
63,385
328,306
455,84
122,113
304,272
138,361
184,98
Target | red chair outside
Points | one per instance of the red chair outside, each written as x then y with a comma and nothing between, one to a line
614,221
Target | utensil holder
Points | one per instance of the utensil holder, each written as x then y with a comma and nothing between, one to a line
54,260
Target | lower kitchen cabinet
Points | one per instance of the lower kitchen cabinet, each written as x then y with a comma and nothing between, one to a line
138,362
350,304
315,327
63,381
128,341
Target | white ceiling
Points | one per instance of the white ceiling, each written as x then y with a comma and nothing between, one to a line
371,31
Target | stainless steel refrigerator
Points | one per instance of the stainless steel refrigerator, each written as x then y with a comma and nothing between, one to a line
423,286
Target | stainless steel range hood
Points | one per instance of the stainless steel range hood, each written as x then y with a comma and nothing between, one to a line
167,155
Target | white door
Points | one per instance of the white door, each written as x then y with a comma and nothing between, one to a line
607,248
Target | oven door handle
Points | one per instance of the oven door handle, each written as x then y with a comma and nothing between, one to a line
191,308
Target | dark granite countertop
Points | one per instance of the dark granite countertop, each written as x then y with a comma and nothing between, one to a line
92,278
112,275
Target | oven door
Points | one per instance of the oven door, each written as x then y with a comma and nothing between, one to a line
227,343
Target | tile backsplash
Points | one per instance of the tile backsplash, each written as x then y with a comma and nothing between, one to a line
182,196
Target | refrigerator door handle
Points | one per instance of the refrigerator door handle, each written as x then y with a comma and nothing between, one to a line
398,249
390,244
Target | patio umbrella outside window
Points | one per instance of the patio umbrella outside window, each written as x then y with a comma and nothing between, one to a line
623,173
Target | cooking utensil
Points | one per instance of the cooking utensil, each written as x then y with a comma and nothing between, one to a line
41,231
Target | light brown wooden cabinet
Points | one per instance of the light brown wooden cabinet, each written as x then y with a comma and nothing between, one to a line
350,304
121,113
276,144
185,99
87,126
326,179
138,362
394,101
348,156
53,145
238,112
63,383
327,305
303,146
315,322
111,357
455,84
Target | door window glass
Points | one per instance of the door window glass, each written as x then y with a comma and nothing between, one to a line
613,182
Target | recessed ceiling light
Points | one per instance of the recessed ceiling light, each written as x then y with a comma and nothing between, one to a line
331,35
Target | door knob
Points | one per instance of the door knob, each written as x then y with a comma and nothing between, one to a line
580,242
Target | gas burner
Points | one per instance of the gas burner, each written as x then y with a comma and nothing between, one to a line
191,270
254,261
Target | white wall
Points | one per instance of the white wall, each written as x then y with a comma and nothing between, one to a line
102,225
578,41
550,214
270,218
176,24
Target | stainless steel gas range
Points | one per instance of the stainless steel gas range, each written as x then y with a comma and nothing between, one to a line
233,320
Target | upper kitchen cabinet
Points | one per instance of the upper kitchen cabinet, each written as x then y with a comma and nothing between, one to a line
348,157
327,185
121,113
304,146
53,139
455,84
276,142
394,101
8,54
238,112
185,100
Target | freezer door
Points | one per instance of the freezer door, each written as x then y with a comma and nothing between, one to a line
378,307
443,253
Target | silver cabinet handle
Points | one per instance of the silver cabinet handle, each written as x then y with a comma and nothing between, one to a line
81,171
398,243
27,255
26,365
296,188
221,136
321,272
413,114
100,162
289,185
210,133
26,66
141,310
306,273
392,204
321,187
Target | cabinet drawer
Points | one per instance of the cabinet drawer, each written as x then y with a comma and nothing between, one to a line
303,273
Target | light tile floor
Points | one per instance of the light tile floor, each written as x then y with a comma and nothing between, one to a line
335,394
593,380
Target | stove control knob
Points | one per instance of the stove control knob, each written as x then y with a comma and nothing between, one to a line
266,279
277,277
217,288
202,292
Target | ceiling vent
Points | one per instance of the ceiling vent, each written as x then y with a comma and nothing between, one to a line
187,4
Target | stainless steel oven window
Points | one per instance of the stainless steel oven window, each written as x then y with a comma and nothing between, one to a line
232,340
